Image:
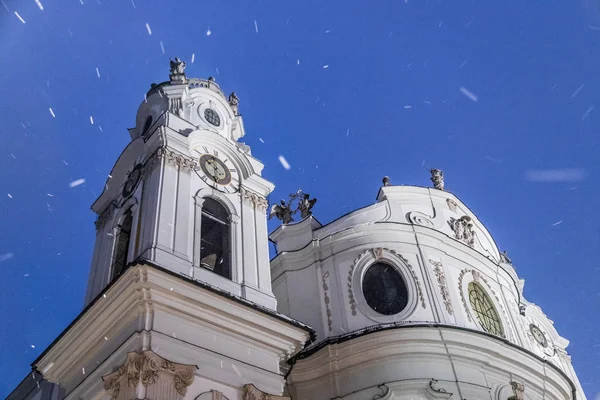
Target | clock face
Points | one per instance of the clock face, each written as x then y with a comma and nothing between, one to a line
384,289
218,172
132,181
538,335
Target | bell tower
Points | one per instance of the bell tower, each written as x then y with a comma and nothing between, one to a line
186,195
179,303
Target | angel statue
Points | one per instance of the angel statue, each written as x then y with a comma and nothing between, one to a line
305,205
282,212
437,177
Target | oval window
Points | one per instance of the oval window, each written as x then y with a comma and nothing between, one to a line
384,289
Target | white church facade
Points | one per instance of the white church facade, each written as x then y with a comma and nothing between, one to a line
409,298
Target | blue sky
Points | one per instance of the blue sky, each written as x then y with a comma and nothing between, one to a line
348,91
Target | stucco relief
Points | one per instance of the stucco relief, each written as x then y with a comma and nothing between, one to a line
441,280
419,218
451,205
254,199
327,300
147,368
463,230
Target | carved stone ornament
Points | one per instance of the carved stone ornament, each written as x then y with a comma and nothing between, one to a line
504,258
252,393
518,389
147,368
419,218
451,204
254,198
437,177
463,229
441,279
327,300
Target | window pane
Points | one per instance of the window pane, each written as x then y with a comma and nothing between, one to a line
215,249
122,245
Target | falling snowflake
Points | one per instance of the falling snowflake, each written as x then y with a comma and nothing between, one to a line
91,120
98,72
193,57
33,346
262,141
39,4
162,47
256,26
52,112
557,223
6,256
589,110
325,66
576,92
208,31
148,28
284,162
76,183
18,16
468,93
50,195
9,195
298,61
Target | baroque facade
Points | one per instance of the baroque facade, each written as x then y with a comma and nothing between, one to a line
408,298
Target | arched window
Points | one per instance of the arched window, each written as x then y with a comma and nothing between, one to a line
215,248
147,126
484,310
122,245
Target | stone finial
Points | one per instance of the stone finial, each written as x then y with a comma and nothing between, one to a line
437,177
234,102
177,69
211,78
386,181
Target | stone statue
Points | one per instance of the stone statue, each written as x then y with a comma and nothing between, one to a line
504,258
282,211
234,102
177,66
518,389
437,177
305,205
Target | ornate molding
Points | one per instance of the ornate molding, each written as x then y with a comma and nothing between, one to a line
414,276
462,294
327,300
441,279
419,218
148,367
255,199
351,297
252,393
